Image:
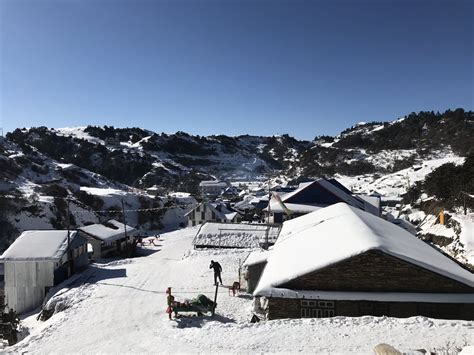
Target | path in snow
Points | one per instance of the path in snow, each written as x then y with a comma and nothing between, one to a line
124,312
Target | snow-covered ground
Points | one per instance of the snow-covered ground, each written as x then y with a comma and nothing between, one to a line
396,184
467,234
120,308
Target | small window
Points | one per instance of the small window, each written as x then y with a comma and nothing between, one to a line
305,312
317,309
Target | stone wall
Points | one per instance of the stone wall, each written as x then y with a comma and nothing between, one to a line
279,308
254,274
375,271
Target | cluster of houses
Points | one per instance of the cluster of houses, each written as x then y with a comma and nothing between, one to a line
41,259
276,205
319,251
334,254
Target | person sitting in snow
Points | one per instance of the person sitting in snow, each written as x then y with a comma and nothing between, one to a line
217,271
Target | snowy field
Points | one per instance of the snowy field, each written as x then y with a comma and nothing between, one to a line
119,307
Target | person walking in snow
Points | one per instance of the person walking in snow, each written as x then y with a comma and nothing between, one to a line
217,271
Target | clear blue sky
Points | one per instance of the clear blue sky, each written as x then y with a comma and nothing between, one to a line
209,67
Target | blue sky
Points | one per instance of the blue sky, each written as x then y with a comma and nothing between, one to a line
209,67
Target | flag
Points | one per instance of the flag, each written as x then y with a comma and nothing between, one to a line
280,202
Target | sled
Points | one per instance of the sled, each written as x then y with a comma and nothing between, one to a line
199,305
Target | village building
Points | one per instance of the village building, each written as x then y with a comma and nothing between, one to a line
230,192
156,190
211,212
109,239
314,195
342,261
253,268
251,205
212,188
38,260
235,235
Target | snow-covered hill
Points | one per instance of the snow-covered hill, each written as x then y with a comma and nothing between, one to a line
101,166
143,158
35,190
120,308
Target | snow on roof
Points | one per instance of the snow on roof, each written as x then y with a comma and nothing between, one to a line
332,187
301,187
231,215
339,232
235,235
341,194
212,183
244,204
179,194
39,245
257,257
294,207
106,233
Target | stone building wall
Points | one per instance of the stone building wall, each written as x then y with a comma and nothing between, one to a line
279,308
375,271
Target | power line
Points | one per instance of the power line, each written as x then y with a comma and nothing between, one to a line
89,210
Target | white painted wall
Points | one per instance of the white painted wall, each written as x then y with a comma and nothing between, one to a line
196,216
25,283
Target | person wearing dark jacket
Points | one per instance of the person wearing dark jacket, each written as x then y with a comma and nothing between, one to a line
217,271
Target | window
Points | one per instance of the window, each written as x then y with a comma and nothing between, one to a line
317,309
305,313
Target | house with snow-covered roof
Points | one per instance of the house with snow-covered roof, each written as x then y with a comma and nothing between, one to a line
235,235
313,195
342,261
38,260
253,267
212,187
109,239
251,205
211,212
230,192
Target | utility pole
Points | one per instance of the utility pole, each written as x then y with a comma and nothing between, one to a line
124,220
269,199
69,259
118,243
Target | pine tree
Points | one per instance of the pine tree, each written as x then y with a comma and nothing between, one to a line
9,325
